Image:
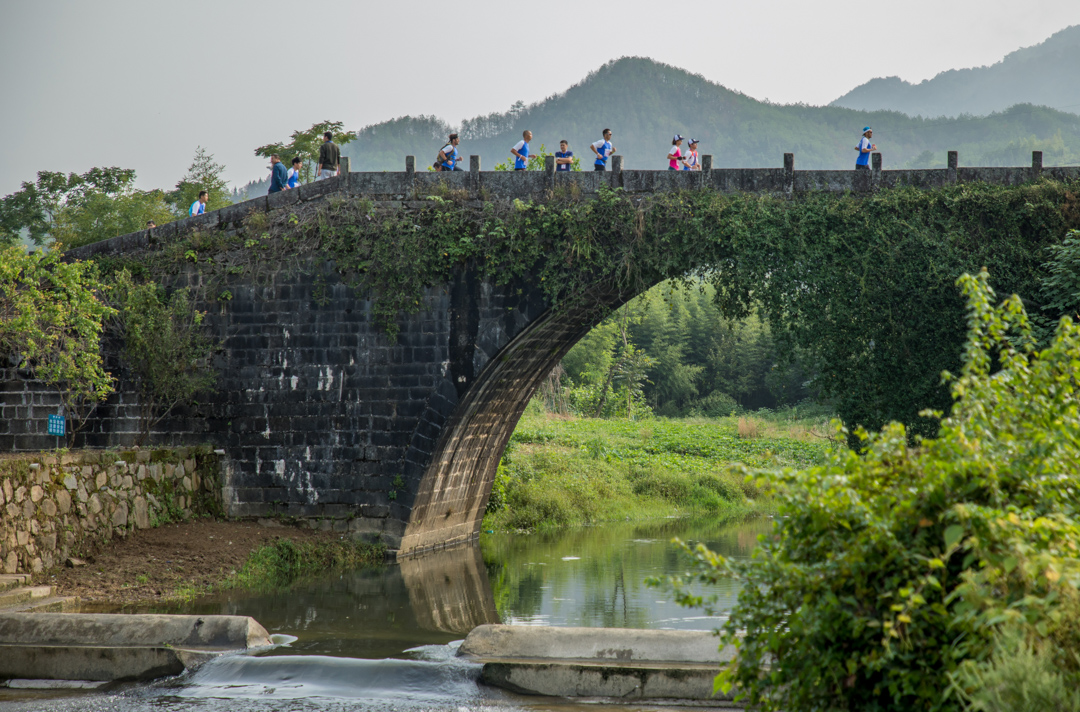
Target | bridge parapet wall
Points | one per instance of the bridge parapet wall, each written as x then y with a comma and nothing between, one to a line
509,185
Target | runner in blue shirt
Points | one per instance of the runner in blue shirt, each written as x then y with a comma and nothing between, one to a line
564,157
865,148
448,155
603,150
521,151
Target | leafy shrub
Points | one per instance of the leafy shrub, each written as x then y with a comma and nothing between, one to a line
890,572
715,405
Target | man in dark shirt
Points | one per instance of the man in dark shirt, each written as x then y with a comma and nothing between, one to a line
329,158
279,175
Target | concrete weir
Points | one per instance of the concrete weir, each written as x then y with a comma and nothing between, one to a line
599,662
80,646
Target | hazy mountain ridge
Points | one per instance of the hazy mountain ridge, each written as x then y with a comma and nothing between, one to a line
1045,75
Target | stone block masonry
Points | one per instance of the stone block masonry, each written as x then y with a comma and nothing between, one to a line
56,505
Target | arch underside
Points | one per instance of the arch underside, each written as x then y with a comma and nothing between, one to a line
453,493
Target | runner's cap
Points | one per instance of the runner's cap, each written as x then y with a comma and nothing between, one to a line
677,138
693,141
865,129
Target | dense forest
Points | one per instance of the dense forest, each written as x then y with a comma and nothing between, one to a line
671,352
1044,75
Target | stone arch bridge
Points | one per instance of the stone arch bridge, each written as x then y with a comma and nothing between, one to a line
322,415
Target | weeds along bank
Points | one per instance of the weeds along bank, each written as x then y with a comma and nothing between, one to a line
61,504
564,471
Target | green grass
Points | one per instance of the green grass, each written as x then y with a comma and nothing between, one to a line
564,472
285,561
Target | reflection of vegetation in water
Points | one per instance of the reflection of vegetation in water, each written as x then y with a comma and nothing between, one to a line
286,561
604,585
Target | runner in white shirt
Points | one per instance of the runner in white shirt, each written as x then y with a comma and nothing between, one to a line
692,162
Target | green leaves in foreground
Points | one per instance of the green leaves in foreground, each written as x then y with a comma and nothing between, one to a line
890,576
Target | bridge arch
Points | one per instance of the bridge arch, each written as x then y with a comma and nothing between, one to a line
323,415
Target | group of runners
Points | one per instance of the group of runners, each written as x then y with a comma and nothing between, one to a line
449,157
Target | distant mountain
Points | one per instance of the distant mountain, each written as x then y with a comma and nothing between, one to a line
1047,74
645,103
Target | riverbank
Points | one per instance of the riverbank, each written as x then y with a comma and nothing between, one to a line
177,562
565,471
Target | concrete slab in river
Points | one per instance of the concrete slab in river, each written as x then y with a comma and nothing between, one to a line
599,662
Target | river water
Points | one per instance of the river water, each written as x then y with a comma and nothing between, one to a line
385,638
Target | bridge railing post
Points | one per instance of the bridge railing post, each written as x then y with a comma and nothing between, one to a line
345,165
789,172
875,167
410,165
706,163
616,171
549,166
474,164
953,164
1036,163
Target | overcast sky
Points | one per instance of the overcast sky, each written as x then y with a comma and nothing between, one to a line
140,83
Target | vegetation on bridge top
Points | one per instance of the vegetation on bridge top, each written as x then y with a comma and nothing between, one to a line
860,286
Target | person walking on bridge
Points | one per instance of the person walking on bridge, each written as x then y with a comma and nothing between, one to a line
294,172
279,177
603,150
329,158
448,155
199,206
521,151
865,148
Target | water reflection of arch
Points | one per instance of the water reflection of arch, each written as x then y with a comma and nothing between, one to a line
449,589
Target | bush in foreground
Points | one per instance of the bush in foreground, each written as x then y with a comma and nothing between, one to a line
893,577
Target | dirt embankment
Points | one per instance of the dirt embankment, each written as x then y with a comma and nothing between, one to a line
171,561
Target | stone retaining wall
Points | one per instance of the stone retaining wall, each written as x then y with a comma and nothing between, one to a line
56,505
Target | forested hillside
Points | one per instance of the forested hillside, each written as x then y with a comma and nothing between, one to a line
645,102
1045,75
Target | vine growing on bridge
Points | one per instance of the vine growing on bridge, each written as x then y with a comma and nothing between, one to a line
862,284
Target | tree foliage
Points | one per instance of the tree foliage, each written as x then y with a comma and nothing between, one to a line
889,573
306,144
204,173
77,209
51,320
165,347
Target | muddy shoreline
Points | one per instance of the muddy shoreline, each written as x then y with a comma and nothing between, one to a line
169,563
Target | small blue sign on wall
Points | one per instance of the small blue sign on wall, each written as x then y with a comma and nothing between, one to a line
56,425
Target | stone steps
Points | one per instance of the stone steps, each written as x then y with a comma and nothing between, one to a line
34,599
49,604
10,581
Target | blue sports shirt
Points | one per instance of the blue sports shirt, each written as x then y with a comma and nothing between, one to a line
563,166
522,162
864,158
604,149
451,156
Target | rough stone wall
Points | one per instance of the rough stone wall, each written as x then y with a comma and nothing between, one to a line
55,505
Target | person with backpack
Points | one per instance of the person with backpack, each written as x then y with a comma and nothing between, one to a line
603,150
521,151
448,158
693,160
